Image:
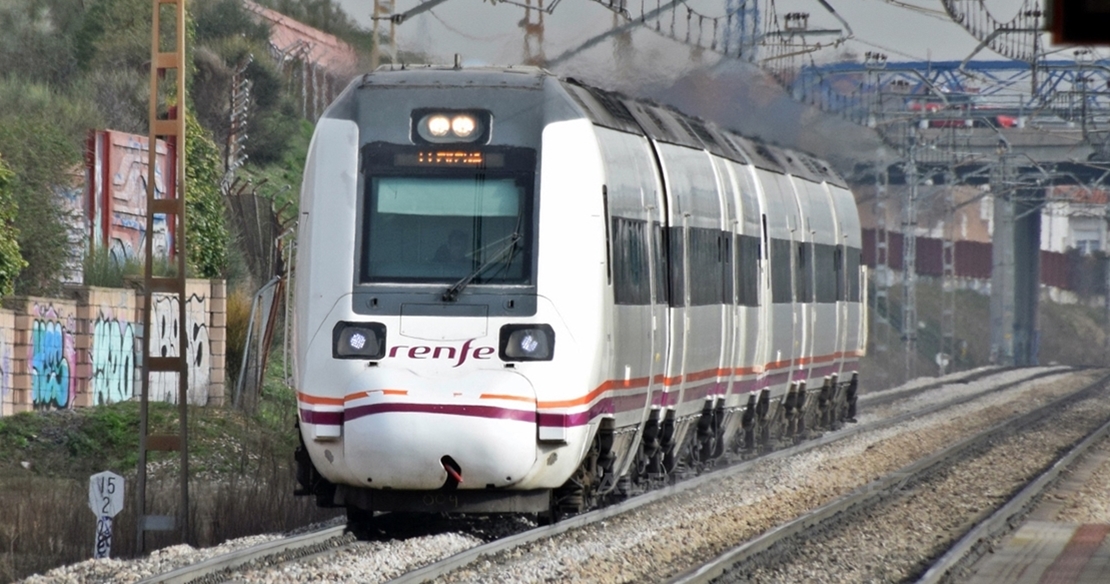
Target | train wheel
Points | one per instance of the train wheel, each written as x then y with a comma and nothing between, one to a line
360,522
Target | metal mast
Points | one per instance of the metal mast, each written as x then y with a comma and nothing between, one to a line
166,122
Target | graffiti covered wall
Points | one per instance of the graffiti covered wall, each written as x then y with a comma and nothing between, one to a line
44,351
166,320
107,345
7,389
86,350
117,171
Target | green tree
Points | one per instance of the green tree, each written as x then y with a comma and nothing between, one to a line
42,134
11,262
35,39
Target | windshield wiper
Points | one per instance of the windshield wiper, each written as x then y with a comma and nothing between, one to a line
452,293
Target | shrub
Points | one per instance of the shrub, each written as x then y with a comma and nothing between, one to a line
206,231
11,262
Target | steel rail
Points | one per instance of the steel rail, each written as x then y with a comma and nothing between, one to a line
875,491
970,547
461,559
213,567
308,544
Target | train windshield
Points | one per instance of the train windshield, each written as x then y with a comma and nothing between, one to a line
442,229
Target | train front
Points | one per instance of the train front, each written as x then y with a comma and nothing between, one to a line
421,335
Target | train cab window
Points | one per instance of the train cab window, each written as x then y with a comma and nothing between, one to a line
444,214
444,227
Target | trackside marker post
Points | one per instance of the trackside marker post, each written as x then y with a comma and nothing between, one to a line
105,500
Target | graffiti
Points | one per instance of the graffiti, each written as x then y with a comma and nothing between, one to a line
113,361
5,370
77,226
103,537
165,319
127,156
50,372
52,355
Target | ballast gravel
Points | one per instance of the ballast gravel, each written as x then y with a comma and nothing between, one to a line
656,541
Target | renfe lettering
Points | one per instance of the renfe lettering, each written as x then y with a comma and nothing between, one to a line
459,355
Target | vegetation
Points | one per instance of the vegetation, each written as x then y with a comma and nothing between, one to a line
11,262
241,468
68,66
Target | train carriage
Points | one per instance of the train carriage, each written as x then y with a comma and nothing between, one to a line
520,293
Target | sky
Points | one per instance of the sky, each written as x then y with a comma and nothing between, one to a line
489,32
645,63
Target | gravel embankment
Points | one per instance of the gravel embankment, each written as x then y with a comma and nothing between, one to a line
895,542
673,536
665,538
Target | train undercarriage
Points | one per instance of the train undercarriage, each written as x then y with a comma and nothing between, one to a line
666,451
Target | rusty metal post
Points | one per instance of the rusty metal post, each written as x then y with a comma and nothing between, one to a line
170,126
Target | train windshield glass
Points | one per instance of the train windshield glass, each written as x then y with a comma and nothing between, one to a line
444,228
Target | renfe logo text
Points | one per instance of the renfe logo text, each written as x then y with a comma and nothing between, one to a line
423,352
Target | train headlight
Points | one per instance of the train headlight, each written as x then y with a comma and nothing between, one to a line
527,342
358,340
438,126
463,126
451,126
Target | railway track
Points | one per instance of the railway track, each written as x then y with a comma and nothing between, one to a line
330,543
815,541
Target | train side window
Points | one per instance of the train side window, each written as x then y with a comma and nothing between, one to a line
853,269
804,279
825,265
631,284
728,279
705,267
675,267
747,270
659,250
838,269
781,285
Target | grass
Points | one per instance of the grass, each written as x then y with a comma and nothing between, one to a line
242,478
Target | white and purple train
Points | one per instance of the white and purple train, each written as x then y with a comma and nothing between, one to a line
519,293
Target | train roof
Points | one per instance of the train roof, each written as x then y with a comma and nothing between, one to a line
614,110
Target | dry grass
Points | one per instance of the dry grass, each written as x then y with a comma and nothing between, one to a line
46,522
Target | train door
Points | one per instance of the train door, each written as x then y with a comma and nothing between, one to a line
632,198
802,233
823,308
748,283
781,222
729,241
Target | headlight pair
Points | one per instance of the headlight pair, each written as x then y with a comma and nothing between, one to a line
518,342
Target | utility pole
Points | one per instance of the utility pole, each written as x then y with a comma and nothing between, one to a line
882,258
948,275
1002,262
169,123
909,259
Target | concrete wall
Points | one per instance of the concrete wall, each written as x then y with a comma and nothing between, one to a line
86,350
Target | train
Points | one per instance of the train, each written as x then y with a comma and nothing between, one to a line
516,292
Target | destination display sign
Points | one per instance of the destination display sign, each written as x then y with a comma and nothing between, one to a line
448,158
